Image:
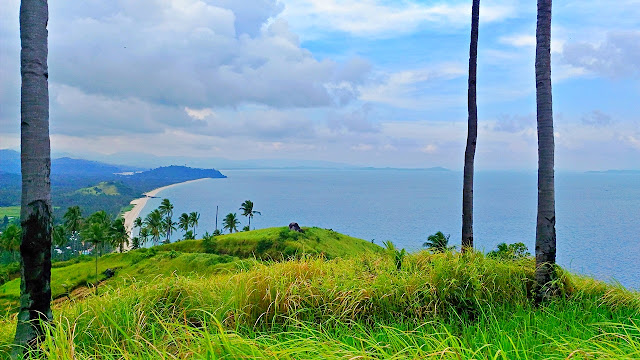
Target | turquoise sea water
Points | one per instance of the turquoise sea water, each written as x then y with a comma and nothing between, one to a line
598,215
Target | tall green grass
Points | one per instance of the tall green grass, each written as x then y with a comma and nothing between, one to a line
445,306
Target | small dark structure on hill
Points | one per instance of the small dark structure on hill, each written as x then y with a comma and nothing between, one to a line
295,227
109,273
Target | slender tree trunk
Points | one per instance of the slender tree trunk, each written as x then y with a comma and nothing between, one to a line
546,219
35,286
96,249
472,134
249,223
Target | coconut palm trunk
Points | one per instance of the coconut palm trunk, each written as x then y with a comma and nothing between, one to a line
95,248
472,133
546,219
35,286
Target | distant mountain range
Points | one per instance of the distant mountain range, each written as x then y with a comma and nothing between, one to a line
10,163
615,172
82,182
131,162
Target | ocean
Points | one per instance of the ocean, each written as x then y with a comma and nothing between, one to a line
598,214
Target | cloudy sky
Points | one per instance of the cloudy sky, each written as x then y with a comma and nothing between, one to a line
369,82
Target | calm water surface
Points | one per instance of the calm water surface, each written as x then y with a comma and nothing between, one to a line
598,215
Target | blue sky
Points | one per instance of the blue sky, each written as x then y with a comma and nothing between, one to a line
371,82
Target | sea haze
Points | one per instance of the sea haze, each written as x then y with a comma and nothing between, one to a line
598,214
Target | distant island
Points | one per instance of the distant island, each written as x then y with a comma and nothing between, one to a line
614,172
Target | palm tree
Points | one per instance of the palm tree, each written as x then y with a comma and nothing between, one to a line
166,209
100,217
137,223
35,213
472,133
231,222
546,218
193,219
144,234
153,222
438,242
96,233
184,222
119,234
247,210
169,226
73,223
10,240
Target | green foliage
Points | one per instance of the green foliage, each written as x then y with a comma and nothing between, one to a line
289,235
231,222
245,228
438,242
515,251
209,243
264,245
398,255
441,306
284,244
11,238
9,271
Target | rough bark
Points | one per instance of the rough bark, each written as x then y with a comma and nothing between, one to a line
35,287
472,133
546,218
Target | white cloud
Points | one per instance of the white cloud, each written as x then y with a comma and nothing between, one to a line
429,149
377,18
404,88
616,57
526,40
186,53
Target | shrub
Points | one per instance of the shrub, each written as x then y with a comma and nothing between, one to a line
209,243
515,251
263,245
288,235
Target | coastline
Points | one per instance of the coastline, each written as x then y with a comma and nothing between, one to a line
139,203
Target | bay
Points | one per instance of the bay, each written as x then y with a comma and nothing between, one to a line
598,214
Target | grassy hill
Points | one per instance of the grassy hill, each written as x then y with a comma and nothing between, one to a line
167,303
279,242
192,257
103,188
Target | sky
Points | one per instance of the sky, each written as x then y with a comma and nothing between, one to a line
371,82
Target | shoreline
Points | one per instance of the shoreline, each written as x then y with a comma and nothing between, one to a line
139,203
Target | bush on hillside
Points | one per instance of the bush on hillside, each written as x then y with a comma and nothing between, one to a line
515,251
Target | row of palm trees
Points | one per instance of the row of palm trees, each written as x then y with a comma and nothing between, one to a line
159,223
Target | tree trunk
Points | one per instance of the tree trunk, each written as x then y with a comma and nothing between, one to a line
472,134
35,286
96,249
249,223
546,219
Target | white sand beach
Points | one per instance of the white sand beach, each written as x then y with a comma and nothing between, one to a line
138,204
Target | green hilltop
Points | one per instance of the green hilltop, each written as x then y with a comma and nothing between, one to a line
279,242
102,188
276,294
191,257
